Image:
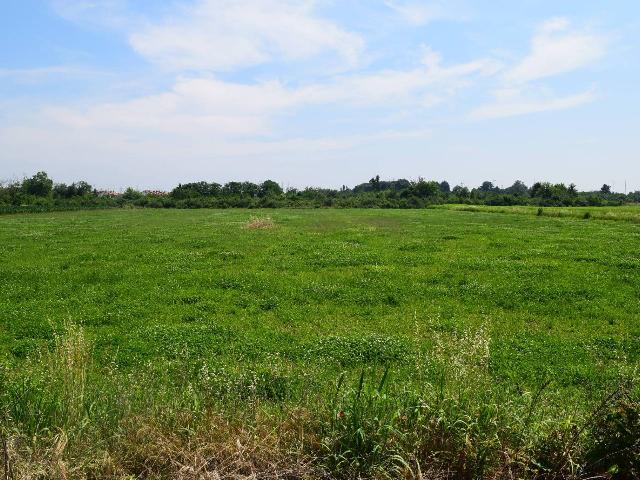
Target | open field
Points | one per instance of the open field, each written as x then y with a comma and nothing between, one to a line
165,343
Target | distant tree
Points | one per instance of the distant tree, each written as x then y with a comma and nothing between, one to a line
560,188
232,189
560,193
131,194
60,190
362,187
250,189
270,188
400,184
375,183
376,193
10,192
519,189
487,187
461,191
196,189
40,185
78,189
541,190
82,188
425,189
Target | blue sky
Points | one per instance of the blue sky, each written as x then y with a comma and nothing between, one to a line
319,92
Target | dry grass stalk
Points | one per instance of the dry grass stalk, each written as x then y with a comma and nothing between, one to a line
260,223
145,449
218,450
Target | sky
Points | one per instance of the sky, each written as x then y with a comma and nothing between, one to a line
152,93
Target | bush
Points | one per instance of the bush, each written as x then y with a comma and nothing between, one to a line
131,194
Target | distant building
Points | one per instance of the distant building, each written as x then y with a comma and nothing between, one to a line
107,193
156,193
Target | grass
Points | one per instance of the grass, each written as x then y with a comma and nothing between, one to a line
343,343
627,213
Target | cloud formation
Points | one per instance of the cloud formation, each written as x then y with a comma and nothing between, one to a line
512,102
216,108
557,49
219,35
418,13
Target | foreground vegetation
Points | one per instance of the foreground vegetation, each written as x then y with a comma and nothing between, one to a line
310,343
39,193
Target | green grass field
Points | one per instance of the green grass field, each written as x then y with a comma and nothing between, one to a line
623,213
525,322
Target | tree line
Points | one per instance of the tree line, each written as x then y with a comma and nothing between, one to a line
39,192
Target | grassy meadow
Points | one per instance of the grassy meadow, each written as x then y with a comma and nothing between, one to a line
624,213
456,342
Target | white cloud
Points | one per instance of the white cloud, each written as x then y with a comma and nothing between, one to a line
417,13
421,86
557,49
219,35
212,107
513,102
192,107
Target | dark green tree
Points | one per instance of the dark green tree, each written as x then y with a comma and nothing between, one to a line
487,186
131,194
518,189
250,189
40,185
461,191
269,188
425,189
232,189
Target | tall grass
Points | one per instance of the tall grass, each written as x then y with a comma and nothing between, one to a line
65,417
53,395
622,213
